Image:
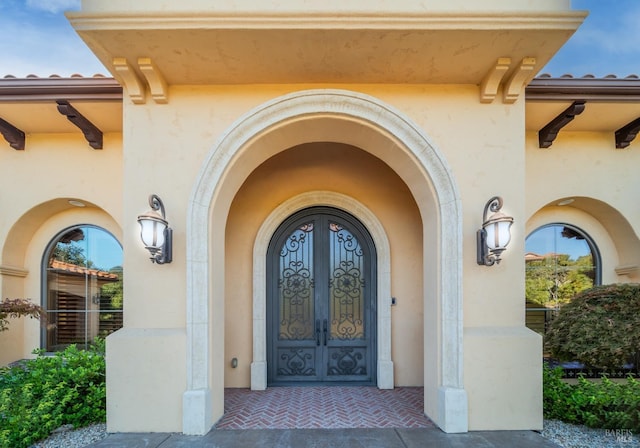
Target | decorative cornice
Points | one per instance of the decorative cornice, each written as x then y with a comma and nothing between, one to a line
13,271
346,20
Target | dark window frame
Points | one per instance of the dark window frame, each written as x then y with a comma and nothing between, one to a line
44,276
595,252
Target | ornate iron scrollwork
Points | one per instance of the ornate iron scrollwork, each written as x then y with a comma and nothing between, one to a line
296,285
297,362
346,285
347,361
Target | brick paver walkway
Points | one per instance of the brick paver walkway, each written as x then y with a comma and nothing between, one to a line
324,407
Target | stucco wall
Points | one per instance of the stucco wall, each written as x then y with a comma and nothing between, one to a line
586,168
477,151
482,144
164,151
37,184
166,147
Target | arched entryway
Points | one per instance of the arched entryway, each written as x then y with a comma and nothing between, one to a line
321,300
363,122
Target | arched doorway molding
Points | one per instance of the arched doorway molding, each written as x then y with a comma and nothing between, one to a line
379,236
364,122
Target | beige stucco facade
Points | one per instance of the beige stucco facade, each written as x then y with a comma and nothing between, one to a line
410,131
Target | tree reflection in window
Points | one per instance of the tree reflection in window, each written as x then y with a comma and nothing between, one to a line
561,260
83,287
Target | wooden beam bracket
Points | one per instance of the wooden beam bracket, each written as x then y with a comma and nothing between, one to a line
90,131
548,134
626,134
14,136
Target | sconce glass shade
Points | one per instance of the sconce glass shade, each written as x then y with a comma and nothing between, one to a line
152,228
498,228
495,234
155,232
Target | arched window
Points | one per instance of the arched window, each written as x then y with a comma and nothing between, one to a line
561,260
82,287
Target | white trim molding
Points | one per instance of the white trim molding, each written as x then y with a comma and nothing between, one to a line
13,271
268,228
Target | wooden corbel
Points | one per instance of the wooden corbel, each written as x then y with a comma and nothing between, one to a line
90,131
548,134
14,136
626,134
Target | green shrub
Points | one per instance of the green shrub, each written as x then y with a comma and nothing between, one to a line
602,404
600,327
50,391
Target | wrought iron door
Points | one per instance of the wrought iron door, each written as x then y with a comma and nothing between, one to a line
321,307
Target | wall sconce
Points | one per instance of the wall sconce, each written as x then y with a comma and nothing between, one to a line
155,232
495,234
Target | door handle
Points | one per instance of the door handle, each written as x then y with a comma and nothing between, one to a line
318,332
324,328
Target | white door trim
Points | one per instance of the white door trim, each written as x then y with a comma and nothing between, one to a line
268,228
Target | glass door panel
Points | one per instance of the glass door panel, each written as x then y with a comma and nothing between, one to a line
321,313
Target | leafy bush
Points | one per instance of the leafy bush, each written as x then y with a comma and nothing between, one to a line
600,327
602,404
45,393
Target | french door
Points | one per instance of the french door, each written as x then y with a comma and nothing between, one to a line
321,300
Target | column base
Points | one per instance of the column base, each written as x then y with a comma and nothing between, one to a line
453,413
196,412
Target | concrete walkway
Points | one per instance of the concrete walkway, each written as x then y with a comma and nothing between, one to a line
330,438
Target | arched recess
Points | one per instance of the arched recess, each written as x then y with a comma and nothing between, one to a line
22,249
364,122
26,225
375,228
614,234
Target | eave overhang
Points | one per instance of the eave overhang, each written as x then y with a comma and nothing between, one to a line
612,105
609,89
88,107
411,47
608,105
51,89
